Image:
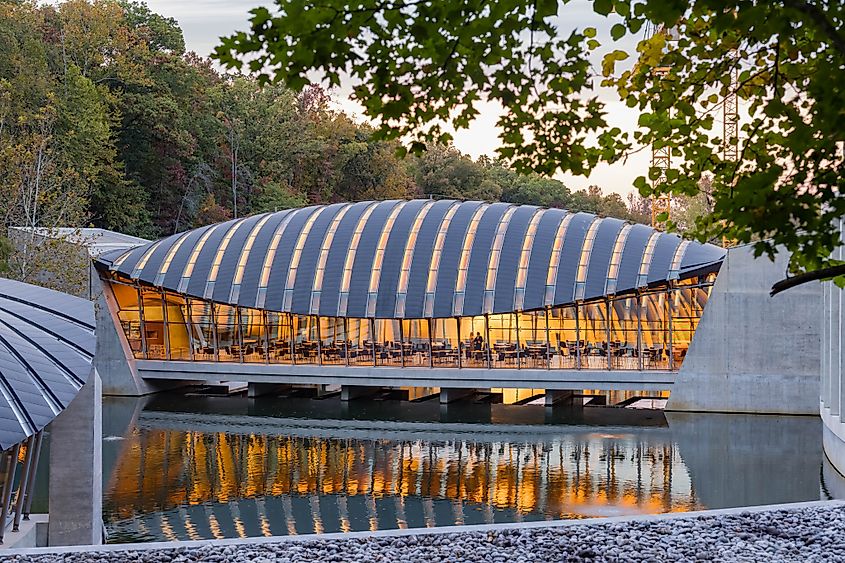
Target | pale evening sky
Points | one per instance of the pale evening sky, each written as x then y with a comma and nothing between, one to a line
205,21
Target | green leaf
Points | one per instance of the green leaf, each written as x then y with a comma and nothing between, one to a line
617,31
603,7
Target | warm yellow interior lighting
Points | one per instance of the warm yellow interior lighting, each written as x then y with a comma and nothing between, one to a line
165,265
408,253
584,260
554,259
647,255
428,304
463,264
317,287
524,255
616,258
215,267
192,260
250,240
143,261
297,254
271,250
498,241
121,259
375,273
493,262
378,258
586,250
350,258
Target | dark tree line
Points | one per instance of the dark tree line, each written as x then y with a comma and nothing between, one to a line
106,120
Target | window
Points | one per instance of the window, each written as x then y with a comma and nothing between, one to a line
261,295
642,279
463,265
321,260
677,258
192,260
613,271
139,267
350,260
218,257
525,254
431,285
407,259
493,263
584,261
239,273
375,273
165,265
554,260
297,254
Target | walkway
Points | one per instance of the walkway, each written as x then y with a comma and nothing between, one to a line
387,376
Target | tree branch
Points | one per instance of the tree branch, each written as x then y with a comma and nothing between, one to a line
806,277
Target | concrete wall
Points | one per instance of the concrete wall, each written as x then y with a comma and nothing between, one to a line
753,353
114,360
832,368
76,466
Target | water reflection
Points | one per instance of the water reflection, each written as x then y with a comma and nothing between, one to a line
182,475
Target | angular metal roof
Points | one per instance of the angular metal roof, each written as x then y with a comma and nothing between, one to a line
413,259
47,341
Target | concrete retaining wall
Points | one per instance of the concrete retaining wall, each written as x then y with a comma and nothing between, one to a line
753,353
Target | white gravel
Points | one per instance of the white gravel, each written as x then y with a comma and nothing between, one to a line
800,534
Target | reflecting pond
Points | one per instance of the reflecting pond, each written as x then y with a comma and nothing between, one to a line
178,468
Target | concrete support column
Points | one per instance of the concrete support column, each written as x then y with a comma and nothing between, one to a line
836,351
452,394
559,398
76,466
352,392
254,390
824,349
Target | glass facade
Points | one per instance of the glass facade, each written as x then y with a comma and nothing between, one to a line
649,330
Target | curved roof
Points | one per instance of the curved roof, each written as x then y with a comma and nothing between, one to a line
47,342
413,259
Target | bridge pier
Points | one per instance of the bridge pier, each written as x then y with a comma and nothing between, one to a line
352,392
554,398
254,390
452,394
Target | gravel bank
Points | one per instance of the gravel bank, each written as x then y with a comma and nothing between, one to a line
801,534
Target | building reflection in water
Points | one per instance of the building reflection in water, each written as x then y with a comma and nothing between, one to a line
173,484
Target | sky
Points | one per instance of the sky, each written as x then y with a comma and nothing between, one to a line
205,21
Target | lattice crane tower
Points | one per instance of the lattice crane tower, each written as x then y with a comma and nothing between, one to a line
661,156
730,120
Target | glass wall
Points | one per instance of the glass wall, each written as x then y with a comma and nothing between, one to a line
655,330
473,340
535,351
624,333
651,330
502,336
387,342
563,336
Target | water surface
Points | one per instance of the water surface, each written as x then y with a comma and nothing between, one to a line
183,468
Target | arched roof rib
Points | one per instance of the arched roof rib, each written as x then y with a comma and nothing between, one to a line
47,342
414,259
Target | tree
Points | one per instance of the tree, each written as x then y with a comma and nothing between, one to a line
418,66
